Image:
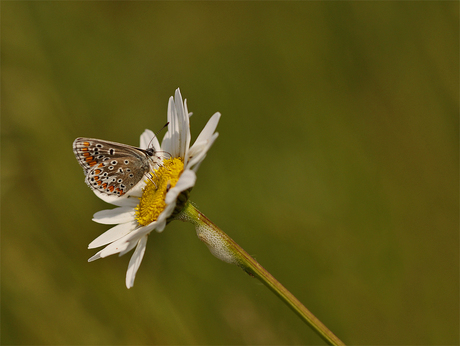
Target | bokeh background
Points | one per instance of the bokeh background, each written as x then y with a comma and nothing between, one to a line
336,168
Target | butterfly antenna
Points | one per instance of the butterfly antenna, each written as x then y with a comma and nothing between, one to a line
155,134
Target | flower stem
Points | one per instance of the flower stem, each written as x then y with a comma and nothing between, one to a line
225,248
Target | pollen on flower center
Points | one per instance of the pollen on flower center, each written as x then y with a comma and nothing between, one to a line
152,202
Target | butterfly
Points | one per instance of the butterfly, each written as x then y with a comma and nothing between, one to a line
113,168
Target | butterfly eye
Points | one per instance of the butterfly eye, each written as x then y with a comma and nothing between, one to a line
150,151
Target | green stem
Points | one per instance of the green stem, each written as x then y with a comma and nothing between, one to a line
225,248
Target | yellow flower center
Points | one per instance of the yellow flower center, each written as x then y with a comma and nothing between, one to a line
152,202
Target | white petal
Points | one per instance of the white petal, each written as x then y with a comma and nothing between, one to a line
186,181
209,129
149,140
185,130
177,139
114,248
117,246
135,262
161,221
115,200
111,249
113,234
182,118
197,147
161,226
114,216
95,257
125,242
198,153
145,139
139,233
130,246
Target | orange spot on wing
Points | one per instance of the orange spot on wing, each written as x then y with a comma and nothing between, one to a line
92,163
89,158
97,171
99,183
84,149
111,187
86,144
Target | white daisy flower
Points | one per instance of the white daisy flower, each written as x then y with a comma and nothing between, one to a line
156,200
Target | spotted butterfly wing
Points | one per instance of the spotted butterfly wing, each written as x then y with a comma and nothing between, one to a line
112,168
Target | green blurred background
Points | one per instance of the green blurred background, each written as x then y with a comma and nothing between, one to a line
336,168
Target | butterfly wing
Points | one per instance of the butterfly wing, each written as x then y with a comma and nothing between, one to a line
110,167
